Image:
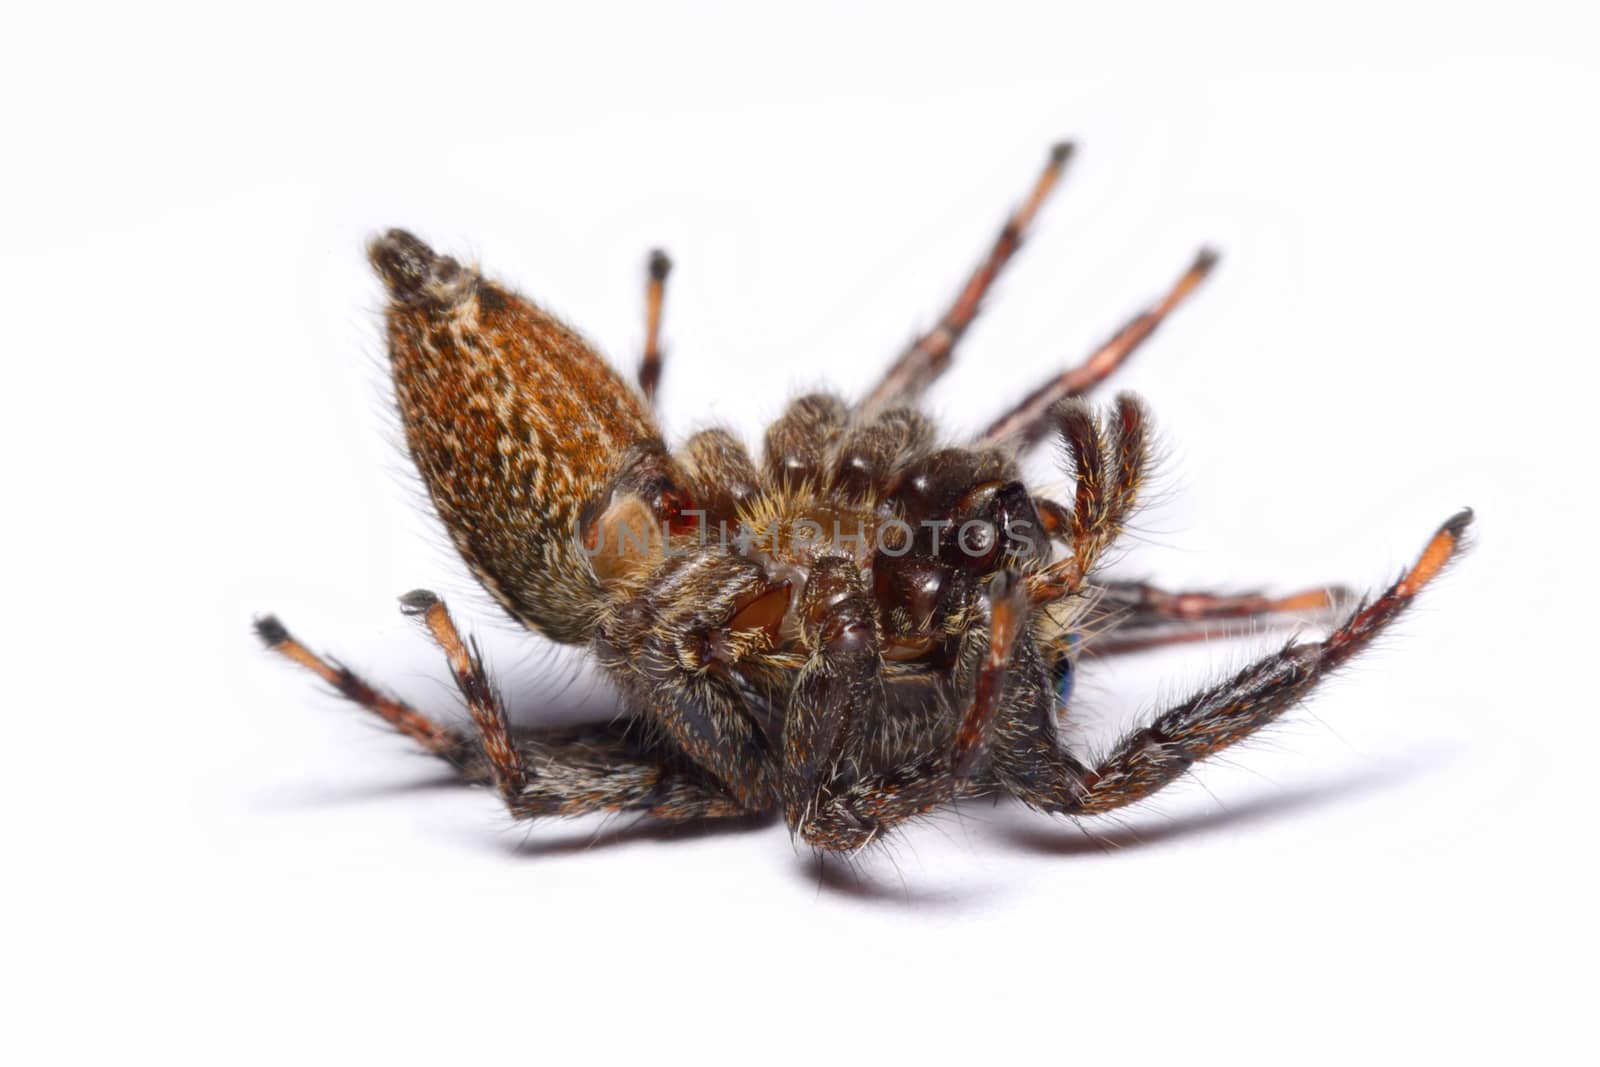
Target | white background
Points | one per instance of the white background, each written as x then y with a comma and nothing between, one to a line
210,860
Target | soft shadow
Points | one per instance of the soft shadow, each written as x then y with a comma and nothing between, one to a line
322,796
846,877
1096,837
835,875
548,840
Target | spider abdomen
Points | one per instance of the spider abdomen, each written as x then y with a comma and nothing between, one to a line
514,423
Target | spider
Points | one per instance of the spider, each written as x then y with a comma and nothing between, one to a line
865,625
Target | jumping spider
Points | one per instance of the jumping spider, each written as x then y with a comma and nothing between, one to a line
914,647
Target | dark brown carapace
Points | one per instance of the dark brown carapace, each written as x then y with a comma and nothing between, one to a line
864,625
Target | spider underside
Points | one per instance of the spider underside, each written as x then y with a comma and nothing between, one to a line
864,626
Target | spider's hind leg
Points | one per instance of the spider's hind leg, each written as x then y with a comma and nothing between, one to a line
585,772
441,741
507,766
564,771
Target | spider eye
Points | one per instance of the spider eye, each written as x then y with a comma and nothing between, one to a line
1003,528
977,539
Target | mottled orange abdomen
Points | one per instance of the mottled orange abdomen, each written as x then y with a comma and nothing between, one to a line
515,424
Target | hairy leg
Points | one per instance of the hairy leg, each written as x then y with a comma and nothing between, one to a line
507,768
838,696
797,445
703,611
1028,422
721,476
833,798
874,451
1109,461
654,294
929,355
568,770
441,741
1153,756
608,768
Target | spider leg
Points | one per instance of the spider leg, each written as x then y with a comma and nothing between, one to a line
575,770
441,741
571,778
928,356
721,474
798,443
507,767
837,696
873,452
1025,424
600,768
1153,756
1144,616
832,799
704,610
658,268
1109,463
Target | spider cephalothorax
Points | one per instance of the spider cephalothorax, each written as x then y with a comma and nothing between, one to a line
864,625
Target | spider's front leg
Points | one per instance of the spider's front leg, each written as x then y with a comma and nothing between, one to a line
833,797
1152,757
837,695
1110,459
